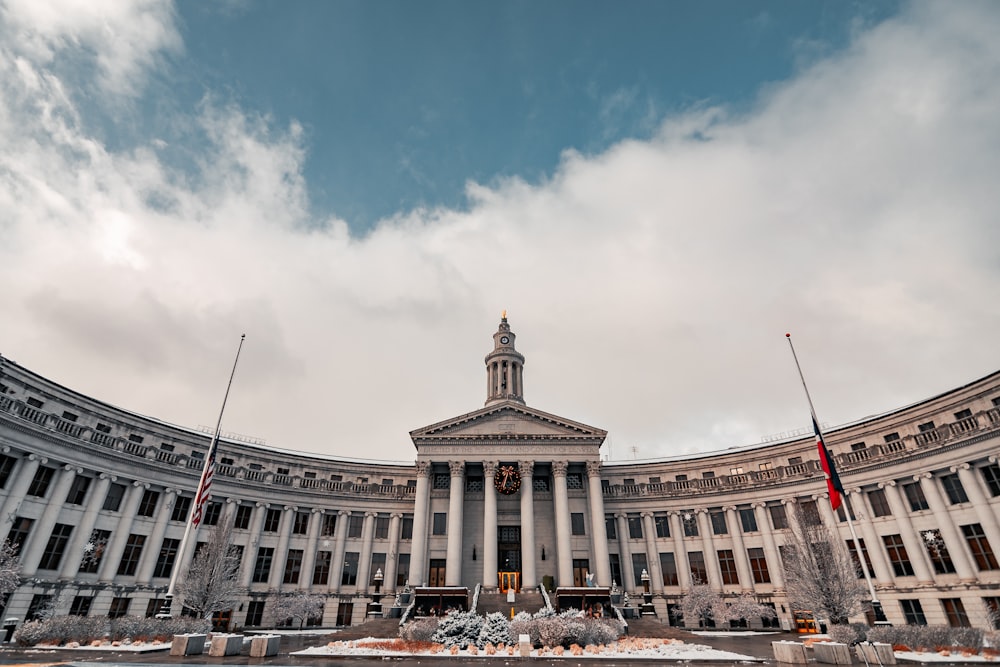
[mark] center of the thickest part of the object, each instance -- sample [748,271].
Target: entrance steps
[650,626]
[529,601]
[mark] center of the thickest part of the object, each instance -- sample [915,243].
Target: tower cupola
[504,367]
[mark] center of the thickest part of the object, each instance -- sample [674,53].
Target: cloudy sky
[656,192]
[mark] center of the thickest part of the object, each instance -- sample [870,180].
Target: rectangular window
[131,555]
[576,523]
[915,496]
[154,607]
[81,605]
[913,613]
[40,482]
[699,575]
[55,547]
[897,555]
[937,550]
[954,611]
[748,519]
[213,511]
[39,605]
[78,490]
[668,566]
[990,473]
[982,553]
[119,607]
[165,561]
[440,523]
[610,527]
[925,427]
[953,489]
[634,527]
[779,518]
[182,509]
[378,563]
[355,525]
[879,503]
[406,528]
[262,566]
[616,567]
[662,523]
[272,520]
[93,551]
[301,524]
[690,522]
[727,564]
[854,557]
[6,468]
[242,520]
[19,532]
[321,570]
[293,567]
[147,506]
[402,570]
[329,527]
[758,566]
[350,575]
[718,518]
[639,566]
[255,613]
[381,528]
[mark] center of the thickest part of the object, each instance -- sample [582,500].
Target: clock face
[504,339]
[507,480]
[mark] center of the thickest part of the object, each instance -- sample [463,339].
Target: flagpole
[876,605]
[191,529]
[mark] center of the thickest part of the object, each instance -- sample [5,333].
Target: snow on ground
[928,656]
[635,648]
[731,633]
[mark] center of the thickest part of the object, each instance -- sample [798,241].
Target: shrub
[525,624]
[419,630]
[967,637]
[30,633]
[459,628]
[495,630]
[602,631]
[848,634]
[552,631]
[61,629]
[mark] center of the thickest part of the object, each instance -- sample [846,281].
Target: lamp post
[647,597]
[376,608]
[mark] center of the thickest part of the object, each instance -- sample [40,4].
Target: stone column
[708,550]
[339,548]
[154,544]
[456,505]
[253,542]
[35,545]
[560,498]
[775,568]
[949,531]
[365,559]
[81,536]
[281,552]
[652,555]
[974,488]
[598,530]
[309,553]
[740,550]
[680,551]
[529,578]
[873,544]
[392,558]
[625,552]
[421,507]
[119,537]
[22,476]
[914,546]
[490,526]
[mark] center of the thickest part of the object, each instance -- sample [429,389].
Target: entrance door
[509,548]
[581,566]
[436,577]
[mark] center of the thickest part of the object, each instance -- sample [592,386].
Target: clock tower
[504,367]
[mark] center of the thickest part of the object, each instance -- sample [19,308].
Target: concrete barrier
[524,644]
[192,644]
[832,653]
[264,646]
[876,653]
[789,652]
[223,644]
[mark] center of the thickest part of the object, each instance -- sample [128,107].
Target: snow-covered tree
[495,630]
[10,568]
[459,628]
[299,606]
[820,574]
[745,607]
[700,604]
[211,584]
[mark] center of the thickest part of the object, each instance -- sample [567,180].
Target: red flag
[205,486]
[833,483]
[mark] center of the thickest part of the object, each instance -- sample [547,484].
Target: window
[154,607]
[378,563]
[293,567]
[628,481]
[6,468]
[616,567]
[767,465]
[982,553]
[937,550]
[654,480]
[738,470]
[779,518]
[102,428]
[690,524]
[810,513]
[440,524]
[165,561]
[78,490]
[35,403]
[442,480]
[93,551]
[213,510]
[350,575]
[897,555]
[113,501]
[954,611]
[915,496]
[668,566]
[610,527]
[279,470]
[699,575]
[748,520]
[576,523]
[879,503]
[182,509]
[891,437]
[40,482]
[795,460]
[381,528]
[255,613]
[854,557]
[925,427]
[262,566]
[329,527]
[55,547]
[321,570]
[953,489]
[336,478]
[708,474]
[681,478]
[147,506]
[857,446]
[402,570]
[474,483]
[727,564]
[355,525]
[80,605]
[39,605]
[242,520]
[19,532]
[639,566]
[662,523]
[272,519]
[131,555]
[119,607]
[634,527]
[991,475]
[718,518]
[300,526]
[406,529]
[913,613]
[992,605]
[758,566]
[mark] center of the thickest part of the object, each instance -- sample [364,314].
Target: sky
[655,192]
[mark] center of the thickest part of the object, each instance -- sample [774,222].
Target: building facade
[96,499]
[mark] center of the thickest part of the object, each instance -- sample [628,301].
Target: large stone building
[97,498]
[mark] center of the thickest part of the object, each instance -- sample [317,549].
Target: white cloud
[650,285]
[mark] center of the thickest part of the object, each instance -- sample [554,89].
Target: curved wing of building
[96,499]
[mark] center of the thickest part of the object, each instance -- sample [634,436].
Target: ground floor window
[255,613]
[913,612]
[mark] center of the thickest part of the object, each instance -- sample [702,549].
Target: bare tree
[820,574]
[211,584]
[701,603]
[10,568]
[298,606]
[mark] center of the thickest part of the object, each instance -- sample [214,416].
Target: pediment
[507,421]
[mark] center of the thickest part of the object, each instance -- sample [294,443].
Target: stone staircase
[529,601]
[376,627]
[650,626]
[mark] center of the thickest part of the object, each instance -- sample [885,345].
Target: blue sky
[655,192]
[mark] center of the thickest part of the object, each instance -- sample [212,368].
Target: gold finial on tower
[503,314]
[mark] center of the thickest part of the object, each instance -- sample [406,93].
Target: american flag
[205,486]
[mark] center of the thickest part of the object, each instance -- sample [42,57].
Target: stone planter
[789,652]
[188,645]
[225,645]
[264,646]
[832,653]
[876,653]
